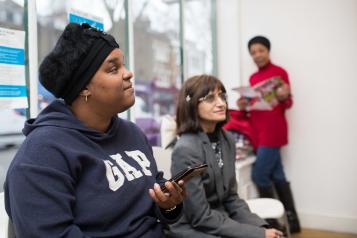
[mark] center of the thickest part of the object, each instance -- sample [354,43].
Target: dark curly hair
[58,66]
[259,40]
[62,71]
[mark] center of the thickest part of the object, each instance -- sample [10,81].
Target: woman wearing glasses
[213,208]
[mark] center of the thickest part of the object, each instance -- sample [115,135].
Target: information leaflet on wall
[76,16]
[13,91]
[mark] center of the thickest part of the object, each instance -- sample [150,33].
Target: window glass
[198,38]
[52,17]
[157,63]
[157,58]
[11,120]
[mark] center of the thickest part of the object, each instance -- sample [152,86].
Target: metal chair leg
[286,223]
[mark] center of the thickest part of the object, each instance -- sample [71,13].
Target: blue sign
[12,91]
[9,55]
[78,19]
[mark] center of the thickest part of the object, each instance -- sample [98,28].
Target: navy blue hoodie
[68,180]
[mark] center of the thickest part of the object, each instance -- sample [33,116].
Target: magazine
[261,96]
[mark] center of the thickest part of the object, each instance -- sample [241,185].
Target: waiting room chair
[269,208]
[163,160]
[167,130]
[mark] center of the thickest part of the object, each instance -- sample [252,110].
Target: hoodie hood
[57,114]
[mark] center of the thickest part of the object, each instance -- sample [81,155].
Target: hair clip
[188,98]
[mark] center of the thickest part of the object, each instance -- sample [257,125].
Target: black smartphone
[186,175]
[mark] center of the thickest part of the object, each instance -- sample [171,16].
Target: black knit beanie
[259,40]
[79,52]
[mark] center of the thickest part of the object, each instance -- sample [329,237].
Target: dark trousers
[268,167]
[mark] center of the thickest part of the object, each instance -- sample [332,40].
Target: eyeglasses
[211,98]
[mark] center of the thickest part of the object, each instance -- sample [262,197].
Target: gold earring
[86,98]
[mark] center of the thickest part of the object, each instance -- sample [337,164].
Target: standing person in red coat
[271,128]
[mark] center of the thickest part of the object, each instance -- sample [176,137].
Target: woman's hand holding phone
[173,191]
[186,174]
[175,194]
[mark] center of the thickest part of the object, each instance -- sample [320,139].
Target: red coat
[271,126]
[240,122]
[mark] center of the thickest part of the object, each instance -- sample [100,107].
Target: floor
[309,233]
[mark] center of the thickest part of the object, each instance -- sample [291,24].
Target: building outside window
[157,63]
[199,37]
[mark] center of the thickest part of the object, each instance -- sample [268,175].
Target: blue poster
[13,90]
[77,17]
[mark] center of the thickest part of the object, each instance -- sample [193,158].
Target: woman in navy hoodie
[82,171]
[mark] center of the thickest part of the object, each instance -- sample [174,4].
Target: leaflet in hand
[261,96]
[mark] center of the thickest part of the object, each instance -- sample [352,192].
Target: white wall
[228,45]
[316,41]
